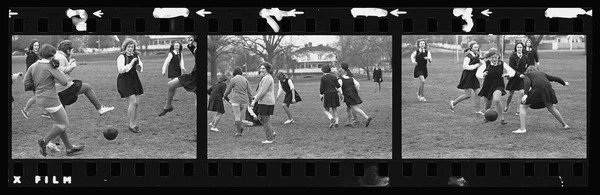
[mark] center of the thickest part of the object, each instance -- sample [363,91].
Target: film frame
[204,172]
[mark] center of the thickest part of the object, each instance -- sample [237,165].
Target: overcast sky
[315,39]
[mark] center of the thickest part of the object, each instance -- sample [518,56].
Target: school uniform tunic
[421,67]
[328,89]
[285,87]
[519,64]
[32,57]
[189,80]
[532,55]
[128,83]
[539,89]
[493,81]
[350,91]
[468,80]
[377,75]
[174,68]
[215,102]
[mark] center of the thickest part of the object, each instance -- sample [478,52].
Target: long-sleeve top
[32,57]
[509,71]
[539,79]
[65,66]
[43,77]
[329,84]
[123,68]
[266,91]
[239,88]
[519,64]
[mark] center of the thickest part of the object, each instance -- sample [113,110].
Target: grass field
[167,137]
[309,137]
[431,130]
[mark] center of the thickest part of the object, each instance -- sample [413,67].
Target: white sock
[329,116]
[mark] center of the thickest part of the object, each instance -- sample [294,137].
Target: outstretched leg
[556,114]
[171,89]
[497,100]
[464,96]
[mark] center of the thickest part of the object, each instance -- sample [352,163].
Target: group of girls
[522,72]
[48,76]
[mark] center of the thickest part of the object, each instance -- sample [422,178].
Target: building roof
[315,48]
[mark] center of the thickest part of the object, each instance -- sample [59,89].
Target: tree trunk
[213,71]
[367,71]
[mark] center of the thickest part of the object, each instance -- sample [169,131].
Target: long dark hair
[471,43]
[522,46]
[173,46]
[30,49]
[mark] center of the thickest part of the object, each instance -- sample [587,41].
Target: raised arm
[413,57]
[65,66]
[181,62]
[509,71]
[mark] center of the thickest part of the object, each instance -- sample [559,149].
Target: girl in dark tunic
[174,64]
[539,94]
[187,81]
[420,58]
[468,81]
[377,76]
[493,83]
[531,53]
[330,93]
[349,88]
[518,61]
[215,102]
[291,95]
[128,81]
[348,110]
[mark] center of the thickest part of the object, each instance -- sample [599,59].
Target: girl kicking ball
[493,83]
[539,94]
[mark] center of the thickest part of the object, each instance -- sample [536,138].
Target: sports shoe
[105,109]
[502,122]
[46,115]
[25,113]
[566,127]
[331,123]
[52,148]
[336,126]
[452,105]
[210,124]
[248,123]
[214,129]
[42,145]
[480,112]
[520,131]
[164,111]
[135,129]
[505,110]
[368,121]
[267,142]
[423,99]
[74,149]
[288,121]
[517,113]
[355,122]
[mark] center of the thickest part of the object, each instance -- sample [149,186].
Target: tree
[266,46]
[217,45]
[364,51]
[535,40]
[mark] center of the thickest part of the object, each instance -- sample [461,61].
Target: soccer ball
[110,133]
[491,115]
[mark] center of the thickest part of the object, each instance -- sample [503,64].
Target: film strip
[154,167]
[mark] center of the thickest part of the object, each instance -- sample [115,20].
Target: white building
[311,58]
